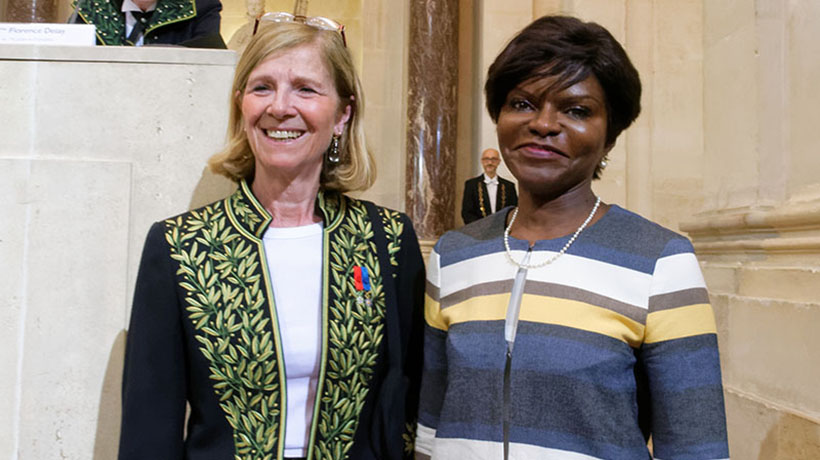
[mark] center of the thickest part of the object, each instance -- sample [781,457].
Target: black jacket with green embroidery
[204,331]
[173,22]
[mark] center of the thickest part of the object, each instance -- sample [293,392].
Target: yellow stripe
[548,310]
[432,313]
[481,308]
[680,322]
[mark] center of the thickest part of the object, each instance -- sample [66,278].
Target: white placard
[47,34]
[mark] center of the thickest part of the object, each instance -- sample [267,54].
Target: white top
[294,256]
[130,21]
[492,190]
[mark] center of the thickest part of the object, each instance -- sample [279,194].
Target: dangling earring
[333,151]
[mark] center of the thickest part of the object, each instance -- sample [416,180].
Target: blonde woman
[288,315]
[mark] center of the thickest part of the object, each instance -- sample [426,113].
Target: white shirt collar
[129,5]
[487,180]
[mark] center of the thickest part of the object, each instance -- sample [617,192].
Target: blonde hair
[356,170]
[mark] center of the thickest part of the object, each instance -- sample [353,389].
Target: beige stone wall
[379,53]
[351,13]
[383,72]
[758,236]
[86,165]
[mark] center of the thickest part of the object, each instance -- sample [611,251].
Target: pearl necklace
[556,255]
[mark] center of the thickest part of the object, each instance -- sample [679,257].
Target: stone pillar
[31,11]
[431,116]
[637,148]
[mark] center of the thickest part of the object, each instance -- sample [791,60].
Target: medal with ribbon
[361,281]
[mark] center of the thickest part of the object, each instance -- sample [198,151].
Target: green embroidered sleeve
[221,275]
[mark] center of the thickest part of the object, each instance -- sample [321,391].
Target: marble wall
[29,11]
[431,116]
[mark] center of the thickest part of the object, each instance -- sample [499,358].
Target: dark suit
[193,23]
[474,205]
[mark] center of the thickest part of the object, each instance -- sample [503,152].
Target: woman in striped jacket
[567,327]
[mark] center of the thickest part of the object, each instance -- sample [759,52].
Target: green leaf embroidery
[227,308]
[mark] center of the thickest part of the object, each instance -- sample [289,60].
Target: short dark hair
[572,50]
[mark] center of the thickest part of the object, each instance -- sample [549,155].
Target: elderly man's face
[489,161]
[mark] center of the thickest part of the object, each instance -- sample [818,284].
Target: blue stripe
[473,431]
[608,368]
[547,402]
[435,357]
[541,402]
[477,345]
[434,378]
[685,363]
[689,418]
[605,360]
[707,450]
[677,246]
[466,251]
[604,242]
[543,438]
[473,396]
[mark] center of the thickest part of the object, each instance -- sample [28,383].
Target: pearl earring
[333,152]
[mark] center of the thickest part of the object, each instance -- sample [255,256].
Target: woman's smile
[541,151]
[291,110]
[283,135]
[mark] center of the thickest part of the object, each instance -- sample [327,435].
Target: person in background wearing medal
[487,193]
[287,316]
[191,23]
[567,327]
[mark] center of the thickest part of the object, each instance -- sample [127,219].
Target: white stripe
[619,283]
[615,282]
[455,448]
[478,270]
[433,268]
[727,458]
[528,452]
[676,273]
[425,437]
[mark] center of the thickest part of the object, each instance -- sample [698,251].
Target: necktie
[142,19]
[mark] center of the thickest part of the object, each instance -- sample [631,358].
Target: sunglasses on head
[318,22]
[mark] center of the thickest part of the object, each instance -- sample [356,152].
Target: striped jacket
[616,342]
